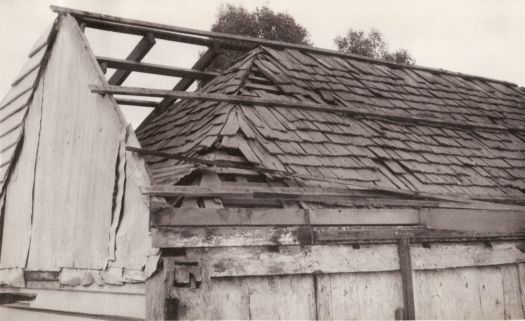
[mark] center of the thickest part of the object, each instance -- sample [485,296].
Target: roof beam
[227,41]
[155,69]
[139,103]
[245,100]
[137,54]
[159,34]
[269,192]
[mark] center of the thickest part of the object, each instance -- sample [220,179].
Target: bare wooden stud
[405,264]
[157,291]
[137,54]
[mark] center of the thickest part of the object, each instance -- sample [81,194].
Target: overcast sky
[485,38]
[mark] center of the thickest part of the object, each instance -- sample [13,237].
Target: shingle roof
[428,156]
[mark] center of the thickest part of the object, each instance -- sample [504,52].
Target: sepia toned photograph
[262,160]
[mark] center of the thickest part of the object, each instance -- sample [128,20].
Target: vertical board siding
[19,192]
[469,293]
[514,308]
[75,172]
[250,298]
[369,296]
[133,240]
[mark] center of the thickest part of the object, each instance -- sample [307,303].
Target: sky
[479,37]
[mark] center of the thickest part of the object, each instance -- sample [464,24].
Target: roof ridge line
[259,42]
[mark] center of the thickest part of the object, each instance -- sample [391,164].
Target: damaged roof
[427,130]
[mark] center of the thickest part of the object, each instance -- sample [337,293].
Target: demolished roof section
[469,144]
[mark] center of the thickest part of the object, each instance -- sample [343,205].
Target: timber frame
[404,217]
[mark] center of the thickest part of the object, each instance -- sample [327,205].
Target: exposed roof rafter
[226,41]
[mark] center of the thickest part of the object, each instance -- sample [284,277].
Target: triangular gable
[60,210]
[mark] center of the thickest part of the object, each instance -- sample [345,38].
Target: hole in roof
[111,44]
[138,79]
[173,54]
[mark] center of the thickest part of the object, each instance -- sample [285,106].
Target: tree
[261,23]
[371,45]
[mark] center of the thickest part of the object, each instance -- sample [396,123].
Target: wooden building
[300,183]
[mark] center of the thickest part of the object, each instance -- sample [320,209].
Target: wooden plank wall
[19,192]
[59,207]
[73,193]
[332,282]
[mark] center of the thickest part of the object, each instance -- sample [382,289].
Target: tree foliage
[261,23]
[371,45]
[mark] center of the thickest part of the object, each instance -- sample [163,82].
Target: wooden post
[405,265]
[159,306]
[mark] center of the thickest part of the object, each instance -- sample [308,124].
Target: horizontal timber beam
[289,193]
[155,69]
[341,196]
[126,25]
[282,217]
[435,218]
[249,101]
[134,102]
[223,236]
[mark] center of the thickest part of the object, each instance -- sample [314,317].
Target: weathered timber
[307,235]
[9,298]
[41,275]
[155,69]
[241,42]
[166,35]
[405,265]
[137,54]
[434,218]
[333,258]
[134,102]
[157,292]
[248,216]
[290,193]
[474,220]
[339,196]
[246,100]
